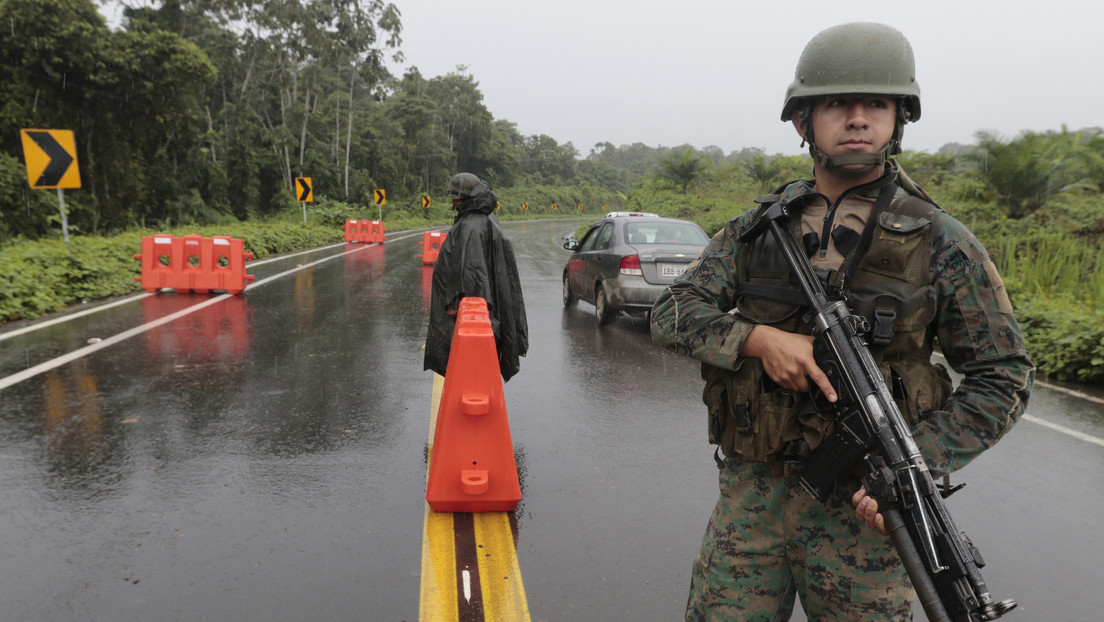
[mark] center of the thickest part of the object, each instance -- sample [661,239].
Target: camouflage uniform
[767,539]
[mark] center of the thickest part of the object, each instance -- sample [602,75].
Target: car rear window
[665,233]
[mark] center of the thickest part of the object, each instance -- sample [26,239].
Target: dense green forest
[198,115]
[181,119]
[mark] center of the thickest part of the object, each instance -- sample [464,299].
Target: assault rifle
[869,428]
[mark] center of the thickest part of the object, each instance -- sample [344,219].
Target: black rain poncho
[476,259]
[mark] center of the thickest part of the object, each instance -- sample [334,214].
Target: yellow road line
[438,591]
[502,593]
[438,594]
[499,573]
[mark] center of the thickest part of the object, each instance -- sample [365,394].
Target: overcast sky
[714,72]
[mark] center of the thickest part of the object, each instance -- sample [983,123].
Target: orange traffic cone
[470,312]
[472,466]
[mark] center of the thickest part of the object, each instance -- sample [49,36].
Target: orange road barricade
[360,231]
[365,231]
[472,467]
[350,230]
[193,263]
[431,245]
[376,231]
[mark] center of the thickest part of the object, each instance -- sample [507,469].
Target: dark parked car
[626,259]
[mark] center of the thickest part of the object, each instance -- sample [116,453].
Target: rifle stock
[942,564]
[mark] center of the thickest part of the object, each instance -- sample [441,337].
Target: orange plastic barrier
[363,231]
[366,231]
[193,263]
[472,467]
[350,230]
[376,231]
[431,245]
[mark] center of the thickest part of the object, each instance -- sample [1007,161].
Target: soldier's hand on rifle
[787,358]
[866,509]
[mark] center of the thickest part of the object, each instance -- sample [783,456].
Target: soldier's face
[853,124]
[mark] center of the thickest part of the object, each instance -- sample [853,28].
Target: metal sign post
[304,193]
[380,196]
[64,216]
[51,160]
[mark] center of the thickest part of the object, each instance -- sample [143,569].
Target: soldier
[878,241]
[476,259]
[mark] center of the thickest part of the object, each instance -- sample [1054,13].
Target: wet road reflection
[246,461]
[264,458]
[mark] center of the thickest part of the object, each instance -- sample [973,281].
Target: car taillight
[631,265]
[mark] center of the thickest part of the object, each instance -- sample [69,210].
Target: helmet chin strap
[853,164]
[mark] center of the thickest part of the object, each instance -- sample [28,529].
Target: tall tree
[299,71]
[683,168]
[130,97]
[546,161]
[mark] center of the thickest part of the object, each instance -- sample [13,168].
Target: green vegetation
[201,112]
[682,169]
[1042,224]
[49,275]
[187,125]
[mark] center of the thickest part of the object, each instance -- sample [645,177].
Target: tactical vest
[886,279]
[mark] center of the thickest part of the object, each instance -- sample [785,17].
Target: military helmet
[462,185]
[856,59]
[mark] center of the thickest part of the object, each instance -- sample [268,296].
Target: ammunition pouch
[752,418]
[898,314]
[918,387]
[885,279]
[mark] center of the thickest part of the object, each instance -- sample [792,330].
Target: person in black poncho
[476,259]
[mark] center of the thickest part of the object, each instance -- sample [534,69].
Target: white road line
[1054,426]
[76,354]
[1073,392]
[283,257]
[137,297]
[138,330]
[123,301]
[85,351]
[1064,430]
[73,316]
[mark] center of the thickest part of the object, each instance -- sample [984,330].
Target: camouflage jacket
[973,323]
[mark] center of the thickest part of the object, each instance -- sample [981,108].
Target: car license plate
[671,270]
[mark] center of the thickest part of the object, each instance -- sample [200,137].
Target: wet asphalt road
[263,458]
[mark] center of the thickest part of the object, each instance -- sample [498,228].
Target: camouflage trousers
[768,541]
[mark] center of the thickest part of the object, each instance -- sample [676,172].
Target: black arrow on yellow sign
[425,202]
[381,197]
[60,159]
[306,192]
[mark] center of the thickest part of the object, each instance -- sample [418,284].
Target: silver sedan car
[626,259]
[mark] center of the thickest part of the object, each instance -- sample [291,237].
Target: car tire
[602,309]
[569,299]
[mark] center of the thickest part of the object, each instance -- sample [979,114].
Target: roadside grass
[1055,279]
